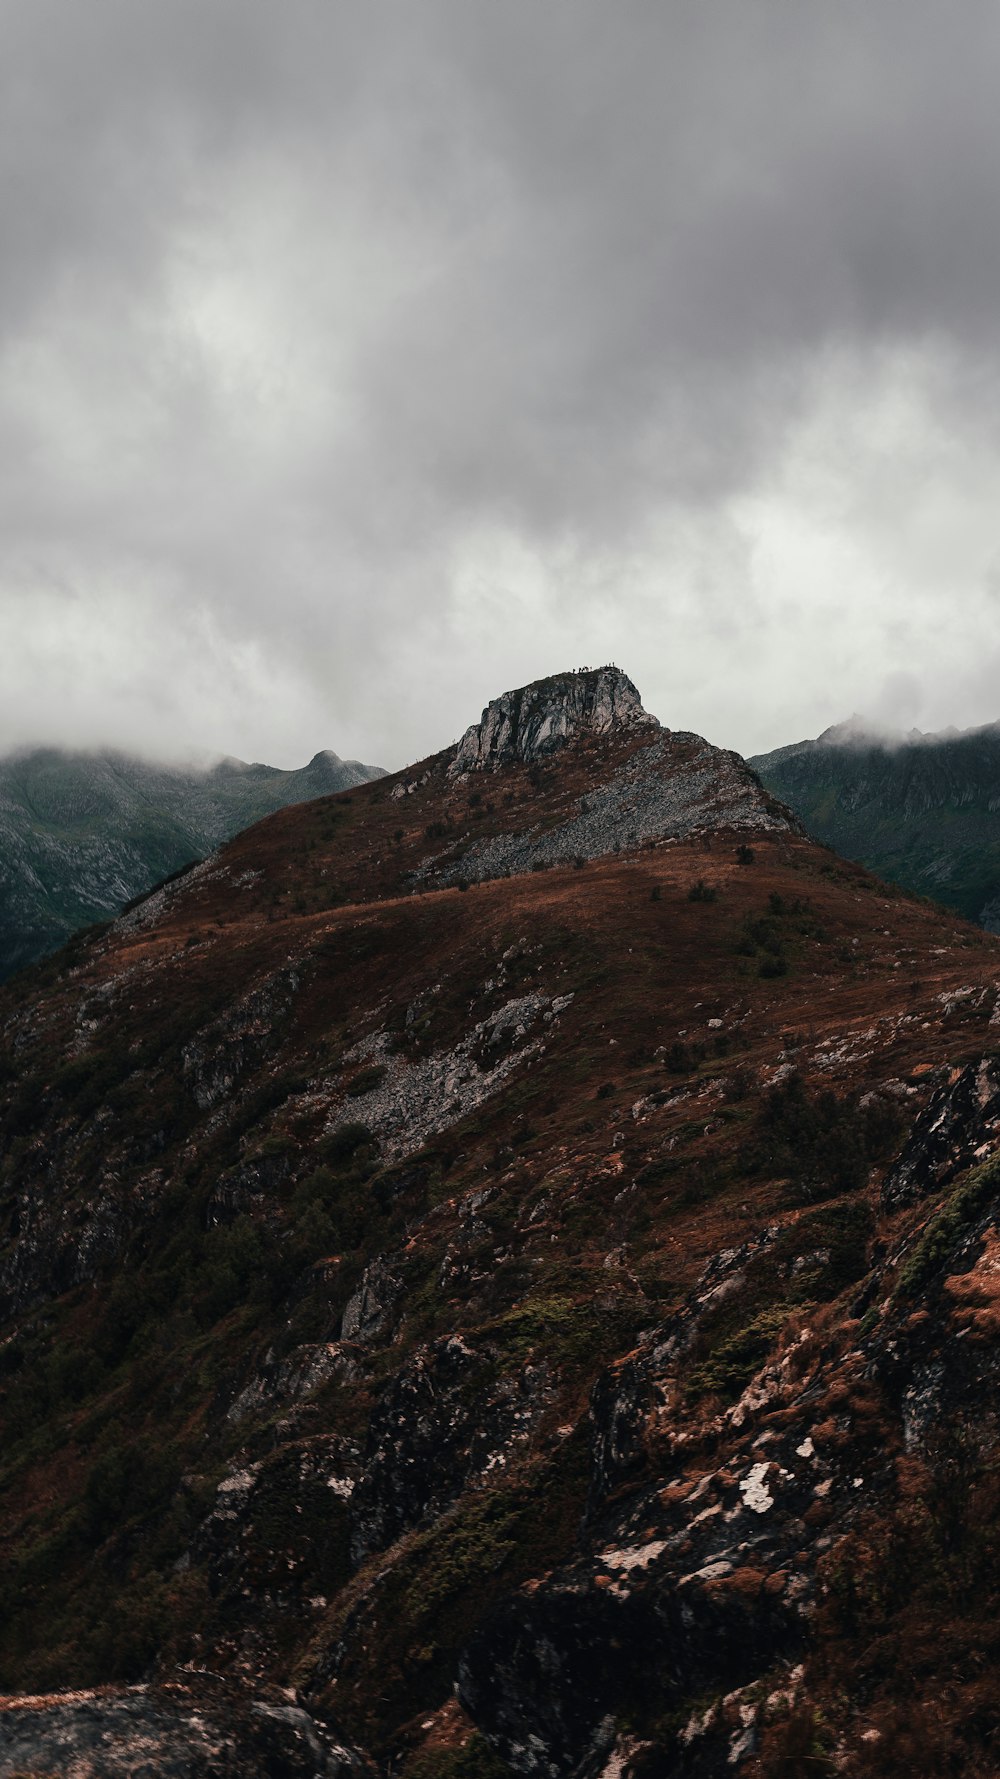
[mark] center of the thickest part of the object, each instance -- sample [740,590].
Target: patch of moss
[474,1760]
[946,1229]
[733,1362]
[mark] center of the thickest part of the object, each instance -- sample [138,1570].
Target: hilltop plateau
[499,1275]
[81,834]
[921,810]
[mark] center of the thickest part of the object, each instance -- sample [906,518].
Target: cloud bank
[357,363]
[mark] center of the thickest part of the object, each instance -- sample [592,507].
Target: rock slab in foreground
[171,1732]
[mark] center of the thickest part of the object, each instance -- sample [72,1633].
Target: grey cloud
[352,356]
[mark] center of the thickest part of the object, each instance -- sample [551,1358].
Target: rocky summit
[498,1275]
[536,720]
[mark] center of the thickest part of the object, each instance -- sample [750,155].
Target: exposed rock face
[958,1126]
[443,1422]
[536,720]
[176,1732]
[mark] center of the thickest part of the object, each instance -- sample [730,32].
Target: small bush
[773,963]
[823,1144]
[702,891]
[745,855]
[341,1143]
[736,1359]
[474,1760]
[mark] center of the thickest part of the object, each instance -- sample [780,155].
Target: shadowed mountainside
[923,811]
[499,1276]
[81,834]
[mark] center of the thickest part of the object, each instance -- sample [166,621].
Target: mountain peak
[536,720]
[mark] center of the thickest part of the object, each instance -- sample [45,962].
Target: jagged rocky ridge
[577,1290]
[535,721]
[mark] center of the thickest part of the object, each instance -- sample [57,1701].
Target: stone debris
[415,1100]
[652,796]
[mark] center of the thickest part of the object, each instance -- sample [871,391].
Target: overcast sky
[362,358]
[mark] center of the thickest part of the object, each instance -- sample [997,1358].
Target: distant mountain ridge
[83,833]
[920,809]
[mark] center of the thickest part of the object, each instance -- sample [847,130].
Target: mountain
[921,810]
[81,834]
[499,1276]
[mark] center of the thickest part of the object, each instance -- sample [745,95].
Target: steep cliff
[535,721]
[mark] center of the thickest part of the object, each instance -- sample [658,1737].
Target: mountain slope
[81,834]
[923,810]
[576,1289]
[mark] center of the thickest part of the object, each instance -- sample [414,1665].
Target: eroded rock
[536,720]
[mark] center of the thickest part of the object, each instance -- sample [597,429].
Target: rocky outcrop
[959,1125]
[178,1732]
[411,1101]
[444,1421]
[240,1040]
[536,720]
[368,1311]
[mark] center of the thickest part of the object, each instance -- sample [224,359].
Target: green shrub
[734,1361]
[945,1230]
[341,1144]
[474,1760]
[127,1482]
[773,963]
[823,1144]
